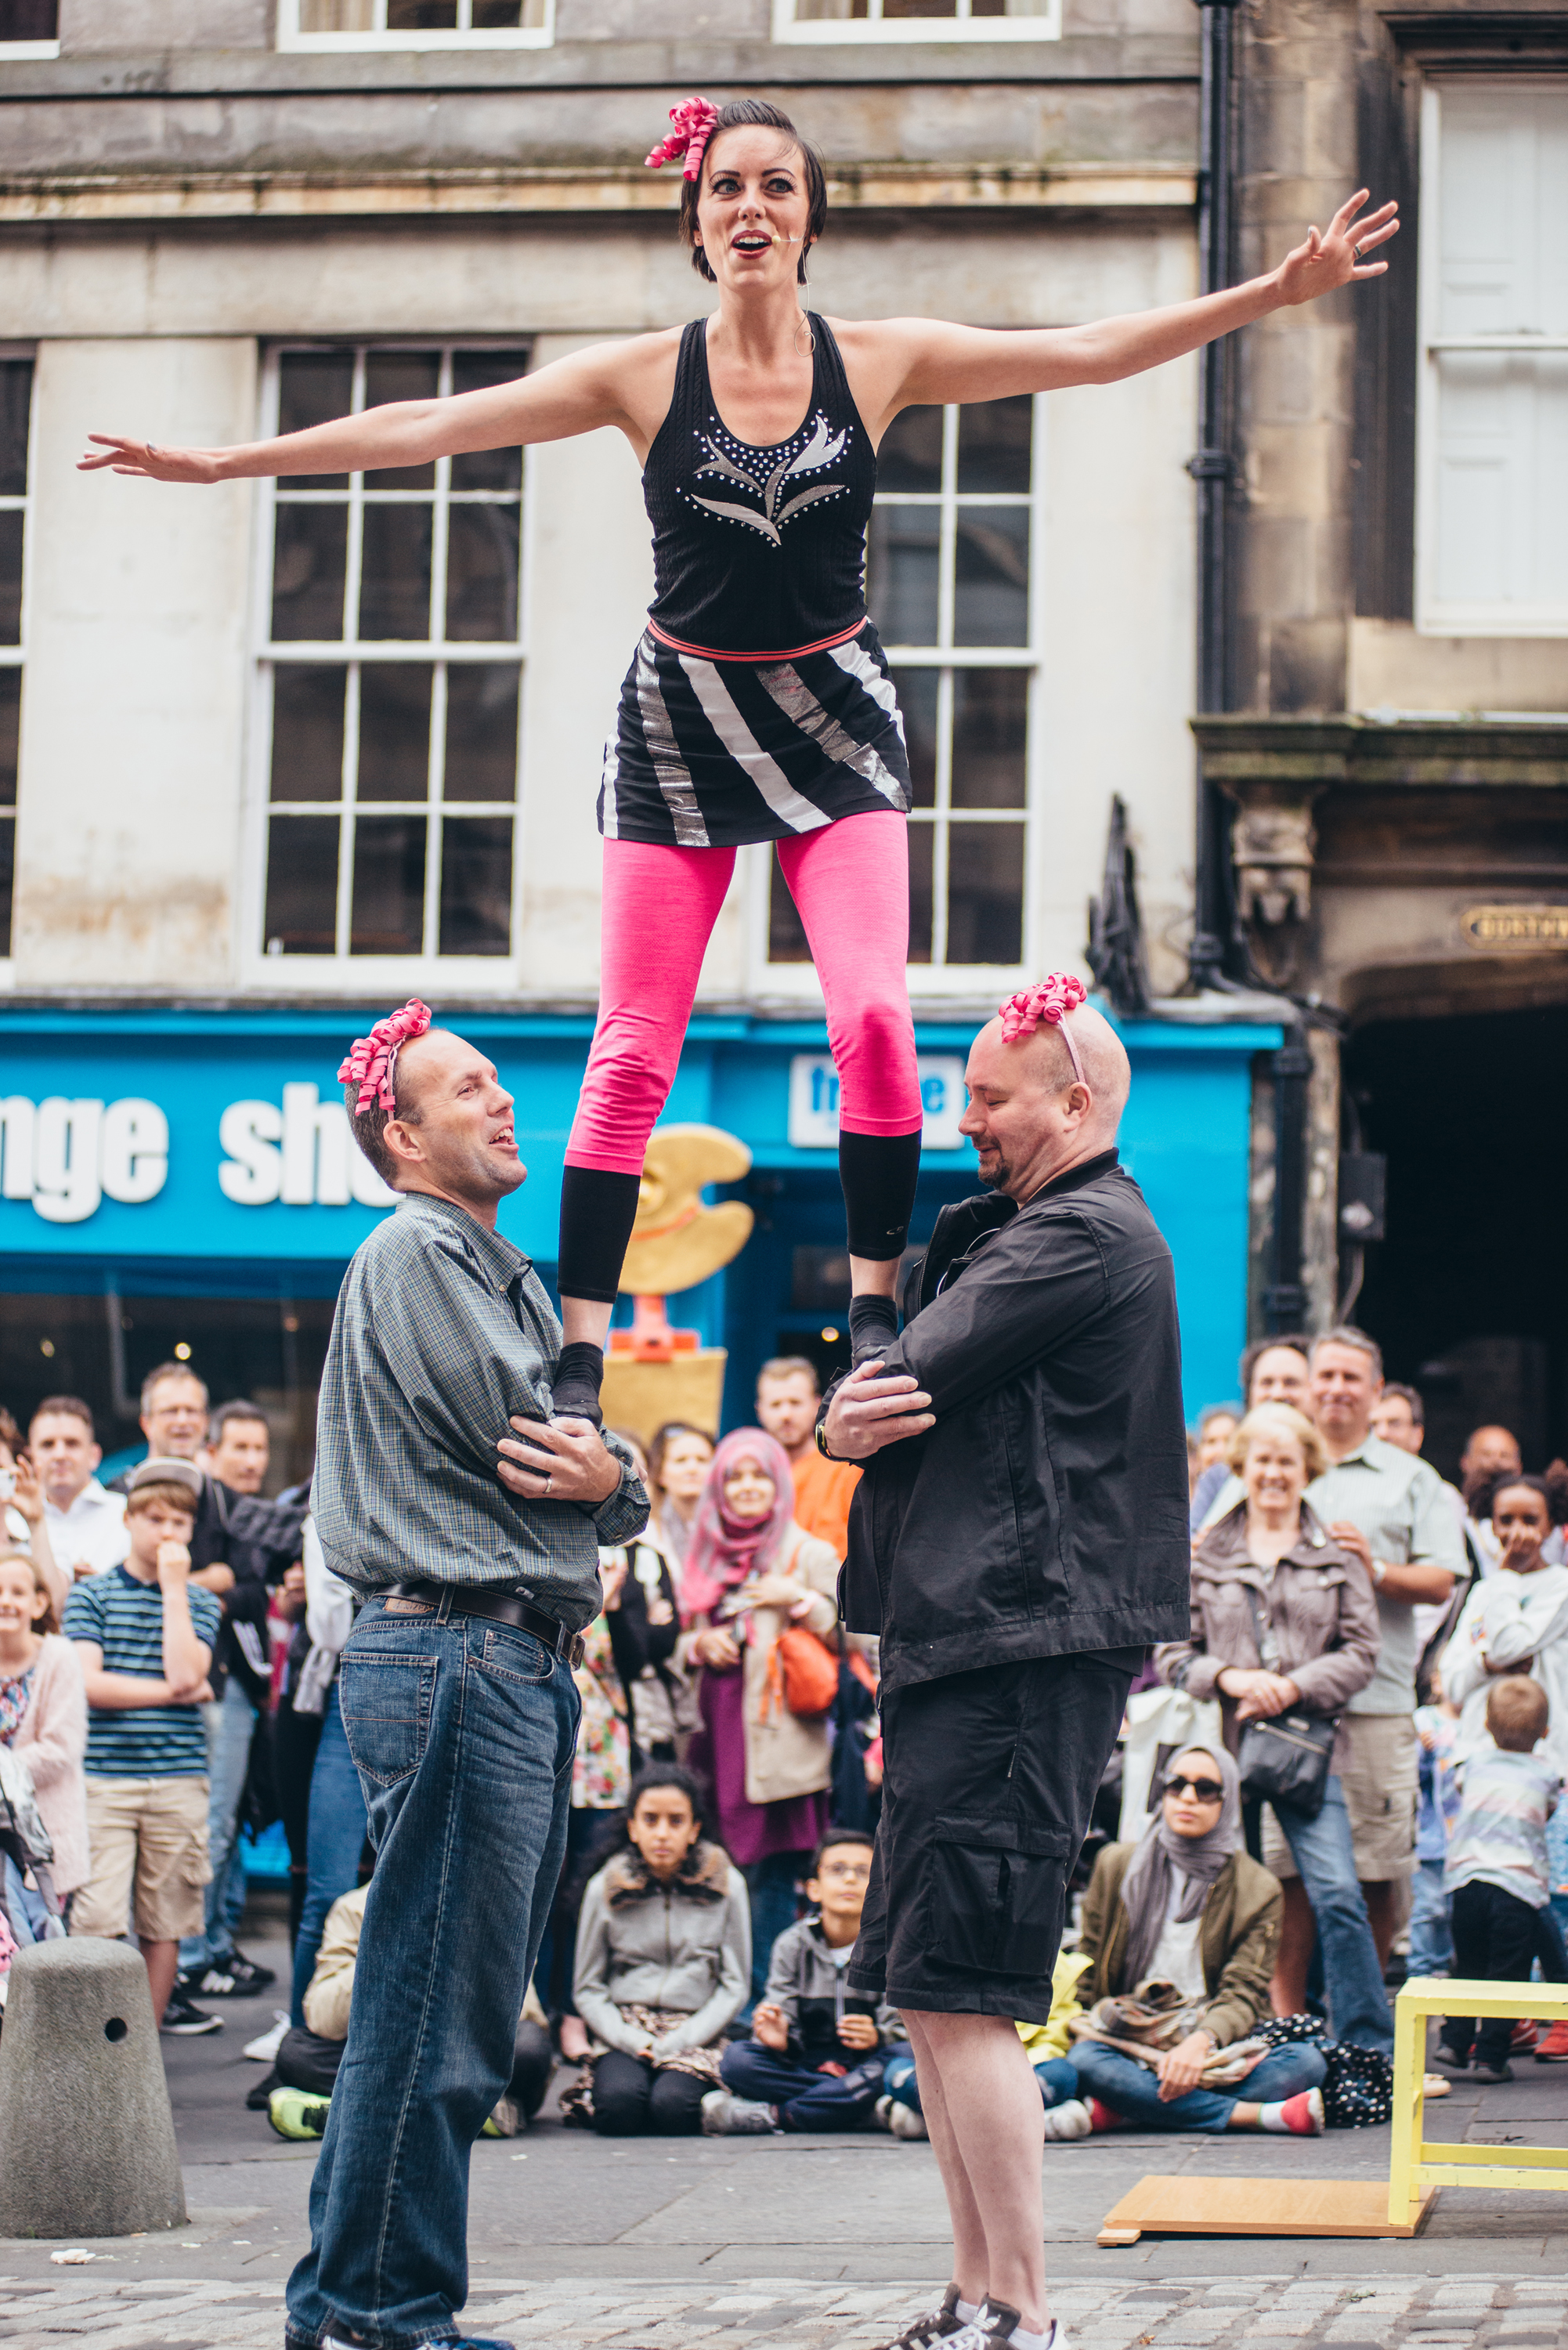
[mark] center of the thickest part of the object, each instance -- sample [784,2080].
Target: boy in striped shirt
[1497,1872]
[145,1633]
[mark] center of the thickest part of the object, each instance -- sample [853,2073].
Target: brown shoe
[934,2327]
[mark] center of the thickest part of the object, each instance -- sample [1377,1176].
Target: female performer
[758,706]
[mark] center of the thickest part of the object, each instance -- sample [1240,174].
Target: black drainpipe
[1214,470]
[1284,1301]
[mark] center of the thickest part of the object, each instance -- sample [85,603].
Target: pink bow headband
[694,120]
[372,1065]
[1051,999]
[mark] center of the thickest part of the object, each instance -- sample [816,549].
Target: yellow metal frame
[1414,2165]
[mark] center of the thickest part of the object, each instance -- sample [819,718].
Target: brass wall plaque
[1516,929]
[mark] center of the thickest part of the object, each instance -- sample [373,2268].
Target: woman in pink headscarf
[752,1574]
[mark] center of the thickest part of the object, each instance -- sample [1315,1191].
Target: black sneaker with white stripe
[185,2020]
[935,2325]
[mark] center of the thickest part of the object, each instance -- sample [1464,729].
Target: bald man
[1019,1537]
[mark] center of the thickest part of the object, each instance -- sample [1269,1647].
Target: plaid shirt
[442,1332]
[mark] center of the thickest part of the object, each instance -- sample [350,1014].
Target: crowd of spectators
[169,1646]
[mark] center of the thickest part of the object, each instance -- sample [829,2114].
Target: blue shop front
[183,1184]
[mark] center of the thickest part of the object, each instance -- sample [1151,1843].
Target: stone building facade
[271,756]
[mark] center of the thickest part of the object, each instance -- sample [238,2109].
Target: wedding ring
[549,1476]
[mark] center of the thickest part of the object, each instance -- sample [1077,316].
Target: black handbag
[1285,1758]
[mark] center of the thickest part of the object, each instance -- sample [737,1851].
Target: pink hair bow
[1059,993]
[694,119]
[372,1065]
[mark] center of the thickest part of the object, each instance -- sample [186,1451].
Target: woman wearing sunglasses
[1186,1905]
[1285,1620]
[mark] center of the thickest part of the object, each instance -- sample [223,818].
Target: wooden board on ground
[1185,2206]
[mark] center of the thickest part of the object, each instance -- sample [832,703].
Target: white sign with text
[814,1101]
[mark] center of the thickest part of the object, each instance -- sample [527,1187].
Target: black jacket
[1047,1510]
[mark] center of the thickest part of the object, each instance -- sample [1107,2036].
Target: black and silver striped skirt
[714,753]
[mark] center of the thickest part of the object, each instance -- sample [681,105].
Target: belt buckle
[577,1651]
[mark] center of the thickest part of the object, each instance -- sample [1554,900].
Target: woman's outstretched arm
[932,362]
[608,384]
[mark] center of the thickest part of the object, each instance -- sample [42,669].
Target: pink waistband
[795,652]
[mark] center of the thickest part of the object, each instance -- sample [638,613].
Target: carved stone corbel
[1273,843]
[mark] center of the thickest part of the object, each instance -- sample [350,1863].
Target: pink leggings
[849,879]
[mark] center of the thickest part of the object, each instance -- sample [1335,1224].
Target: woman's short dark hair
[1481,1492]
[655,1775]
[757,113]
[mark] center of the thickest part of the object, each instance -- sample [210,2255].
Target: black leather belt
[503,1607]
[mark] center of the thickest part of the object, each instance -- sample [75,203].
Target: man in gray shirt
[470,1519]
[1389,1507]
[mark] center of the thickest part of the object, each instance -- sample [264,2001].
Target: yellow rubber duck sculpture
[653,1373]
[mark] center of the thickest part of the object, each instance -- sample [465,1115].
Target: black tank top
[759,551]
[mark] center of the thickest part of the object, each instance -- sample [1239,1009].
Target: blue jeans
[334,1840]
[1132,2089]
[1357,2003]
[806,2099]
[1057,2077]
[771,1883]
[1432,1928]
[231,1722]
[462,1734]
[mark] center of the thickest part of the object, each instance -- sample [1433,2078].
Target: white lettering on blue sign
[66,1155]
[814,1101]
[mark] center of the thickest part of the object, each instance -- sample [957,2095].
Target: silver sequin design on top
[822,447]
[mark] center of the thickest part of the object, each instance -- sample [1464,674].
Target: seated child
[664,1964]
[816,2057]
[144,1636]
[306,2069]
[1497,1871]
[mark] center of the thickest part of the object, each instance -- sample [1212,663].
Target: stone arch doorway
[1468,1293]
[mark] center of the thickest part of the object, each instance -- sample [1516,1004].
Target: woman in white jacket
[1516,1621]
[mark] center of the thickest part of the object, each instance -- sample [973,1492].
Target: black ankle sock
[597,1209]
[873,1326]
[574,1390]
[879,1172]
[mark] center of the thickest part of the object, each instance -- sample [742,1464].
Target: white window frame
[465,36]
[939,978]
[18,53]
[874,26]
[342,972]
[15,656]
[1433,617]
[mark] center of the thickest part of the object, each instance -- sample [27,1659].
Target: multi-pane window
[1493,428]
[947,587]
[393,661]
[29,28]
[16,411]
[415,24]
[917,20]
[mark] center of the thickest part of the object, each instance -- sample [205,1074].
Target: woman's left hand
[1181,2068]
[1331,257]
[774,1591]
[1269,1694]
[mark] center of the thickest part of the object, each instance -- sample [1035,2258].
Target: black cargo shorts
[989,1778]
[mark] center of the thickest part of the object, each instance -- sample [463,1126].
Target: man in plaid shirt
[448,1492]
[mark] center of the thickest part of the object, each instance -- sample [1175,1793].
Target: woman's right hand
[716,1647]
[146,461]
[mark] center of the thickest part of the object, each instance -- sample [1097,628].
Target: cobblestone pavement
[1470,2313]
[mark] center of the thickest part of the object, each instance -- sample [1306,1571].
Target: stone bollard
[87,2138]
